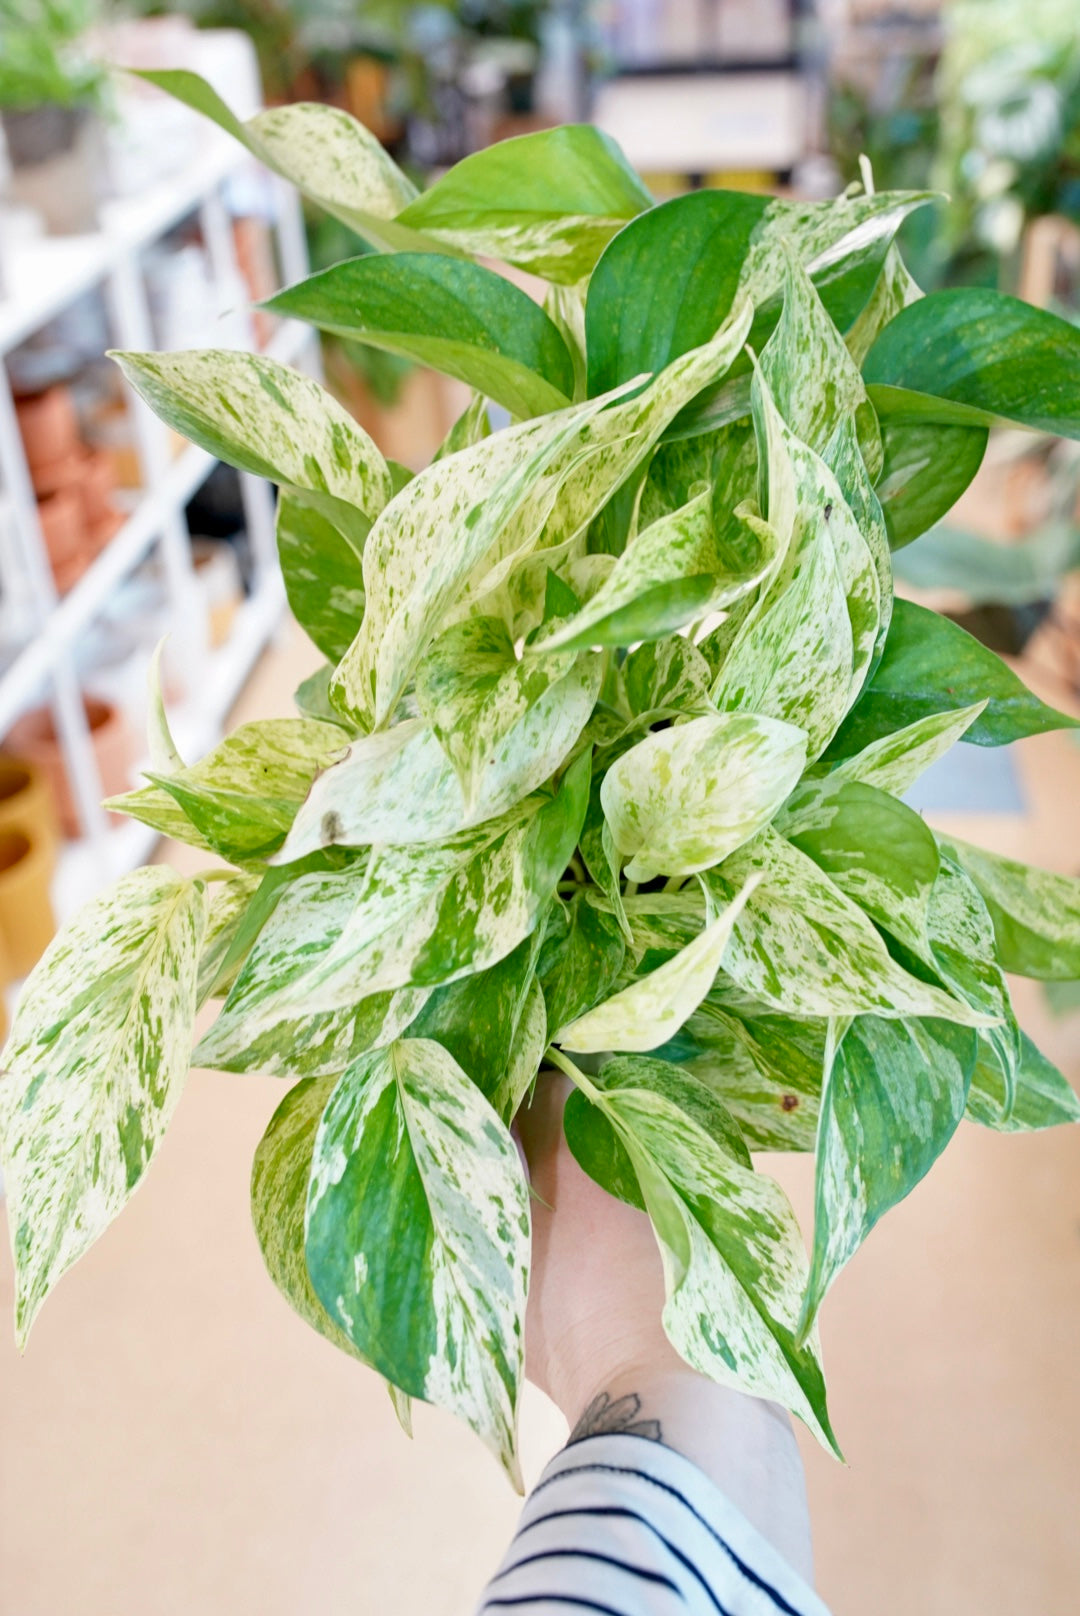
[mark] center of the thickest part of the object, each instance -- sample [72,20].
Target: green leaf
[961,936]
[267,419]
[242,797]
[456,532]
[448,313]
[926,465]
[893,1099]
[653,1008]
[486,1022]
[472,426]
[894,762]
[684,798]
[1036,914]
[587,962]
[324,579]
[668,675]
[666,283]
[311,698]
[733,1258]
[803,948]
[484,703]
[279,1182]
[324,152]
[893,290]
[93,1069]
[671,574]
[546,202]
[932,666]
[320,982]
[1043,1097]
[878,851]
[418,1235]
[970,355]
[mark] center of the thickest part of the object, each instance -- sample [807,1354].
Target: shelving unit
[42,280]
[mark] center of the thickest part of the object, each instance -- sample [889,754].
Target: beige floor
[176,1442]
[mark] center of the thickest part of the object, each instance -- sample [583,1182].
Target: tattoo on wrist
[603,1417]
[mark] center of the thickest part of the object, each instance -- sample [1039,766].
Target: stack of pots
[27,859]
[74,484]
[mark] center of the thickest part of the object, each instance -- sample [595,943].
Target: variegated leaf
[894,762]
[93,1070]
[673,573]
[961,935]
[1043,1098]
[416,917]
[472,426]
[418,1235]
[877,850]
[893,1098]
[242,797]
[653,1008]
[324,579]
[766,1069]
[804,649]
[164,757]
[265,418]
[666,676]
[398,786]
[228,903]
[279,1182]
[546,202]
[893,290]
[803,948]
[457,531]
[324,152]
[1036,914]
[684,798]
[734,1265]
[487,1023]
[477,695]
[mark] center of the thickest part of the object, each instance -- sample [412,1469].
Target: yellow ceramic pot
[26,801]
[26,918]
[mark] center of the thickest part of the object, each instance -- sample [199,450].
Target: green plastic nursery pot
[26,916]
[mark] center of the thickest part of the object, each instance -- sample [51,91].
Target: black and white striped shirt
[622,1526]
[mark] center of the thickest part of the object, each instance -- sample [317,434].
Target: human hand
[596,1346]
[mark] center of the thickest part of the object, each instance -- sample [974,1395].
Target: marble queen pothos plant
[605,771]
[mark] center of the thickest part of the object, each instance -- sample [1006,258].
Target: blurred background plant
[44,59]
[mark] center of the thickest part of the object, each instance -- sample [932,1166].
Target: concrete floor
[175,1441]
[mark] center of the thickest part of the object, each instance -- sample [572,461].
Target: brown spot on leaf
[789,1102]
[331,827]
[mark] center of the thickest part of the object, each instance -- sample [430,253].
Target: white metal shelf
[43,279]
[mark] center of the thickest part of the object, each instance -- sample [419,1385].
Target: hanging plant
[604,772]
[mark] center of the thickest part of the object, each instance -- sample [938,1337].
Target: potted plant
[50,89]
[604,773]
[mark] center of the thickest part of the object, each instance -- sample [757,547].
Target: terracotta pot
[26,802]
[56,476]
[48,425]
[34,736]
[62,526]
[26,918]
[96,486]
[103,530]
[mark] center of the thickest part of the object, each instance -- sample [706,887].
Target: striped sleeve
[622,1526]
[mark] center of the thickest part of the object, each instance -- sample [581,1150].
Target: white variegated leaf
[164,758]
[93,1070]
[734,1265]
[459,529]
[228,903]
[265,418]
[684,798]
[418,1235]
[242,797]
[800,946]
[653,1008]
[896,761]
[893,291]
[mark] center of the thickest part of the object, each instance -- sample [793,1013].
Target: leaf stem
[567,1067]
